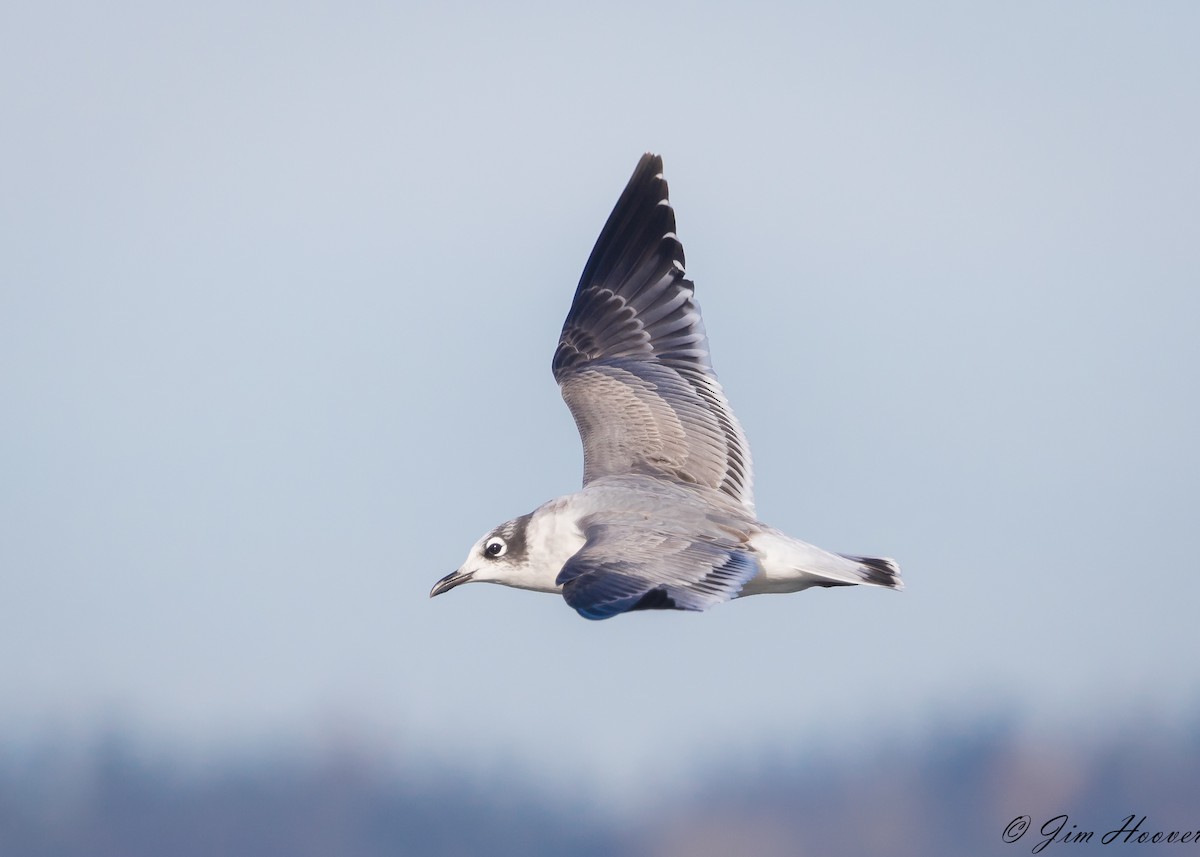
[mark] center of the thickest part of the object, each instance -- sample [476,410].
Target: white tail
[790,565]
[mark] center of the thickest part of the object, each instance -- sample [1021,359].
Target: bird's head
[500,556]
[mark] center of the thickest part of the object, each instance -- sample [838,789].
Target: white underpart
[790,565]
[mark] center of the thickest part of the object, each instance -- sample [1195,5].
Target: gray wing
[633,360]
[628,564]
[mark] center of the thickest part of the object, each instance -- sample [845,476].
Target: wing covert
[631,565]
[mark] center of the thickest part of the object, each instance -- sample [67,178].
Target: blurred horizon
[969,785]
[611,792]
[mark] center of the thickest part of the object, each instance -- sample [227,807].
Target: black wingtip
[650,160]
[636,228]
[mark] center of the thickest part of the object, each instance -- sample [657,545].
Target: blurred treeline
[951,792]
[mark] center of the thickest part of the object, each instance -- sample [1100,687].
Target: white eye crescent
[494,547]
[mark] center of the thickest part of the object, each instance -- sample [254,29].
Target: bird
[665,519]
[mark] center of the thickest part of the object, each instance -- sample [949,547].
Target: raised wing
[633,361]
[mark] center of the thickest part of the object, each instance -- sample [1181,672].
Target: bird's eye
[495,547]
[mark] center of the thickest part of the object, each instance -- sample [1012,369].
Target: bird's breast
[553,537]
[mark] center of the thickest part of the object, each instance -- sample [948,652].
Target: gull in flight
[665,519]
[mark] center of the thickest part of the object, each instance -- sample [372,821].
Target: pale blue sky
[279,288]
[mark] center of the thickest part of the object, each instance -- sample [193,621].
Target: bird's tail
[790,565]
[877,570]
